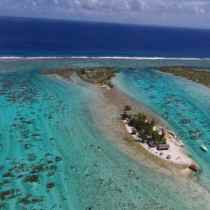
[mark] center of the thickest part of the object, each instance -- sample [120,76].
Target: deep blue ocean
[36,37]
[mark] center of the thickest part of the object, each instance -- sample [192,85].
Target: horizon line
[104,22]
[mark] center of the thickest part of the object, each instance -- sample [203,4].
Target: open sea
[52,154]
[34,37]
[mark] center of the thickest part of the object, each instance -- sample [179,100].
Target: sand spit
[107,108]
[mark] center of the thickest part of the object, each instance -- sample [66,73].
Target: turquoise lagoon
[53,156]
[184,104]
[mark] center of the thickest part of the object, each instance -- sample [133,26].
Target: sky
[184,13]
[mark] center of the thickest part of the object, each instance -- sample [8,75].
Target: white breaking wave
[14,58]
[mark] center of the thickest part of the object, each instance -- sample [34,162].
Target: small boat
[204,148]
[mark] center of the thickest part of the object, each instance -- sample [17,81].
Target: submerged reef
[27,173]
[18,173]
[198,75]
[97,75]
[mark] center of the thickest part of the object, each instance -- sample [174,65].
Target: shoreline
[198,75]
[106,110]
[175,155]
[119,99]
[112,101]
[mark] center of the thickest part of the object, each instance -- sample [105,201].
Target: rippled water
[53,156]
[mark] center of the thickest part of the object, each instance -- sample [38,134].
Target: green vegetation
[97,75]
[100,76]
[194,74]
[127,108]
[145,128]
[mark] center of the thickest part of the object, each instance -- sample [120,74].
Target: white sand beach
[112,102]
[106,112]
[175,153]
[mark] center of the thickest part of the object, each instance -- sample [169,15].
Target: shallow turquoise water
[182,103]
[53,156]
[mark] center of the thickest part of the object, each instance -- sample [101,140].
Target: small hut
[162,147]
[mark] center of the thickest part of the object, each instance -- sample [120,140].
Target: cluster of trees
[101,75]
[145,128]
